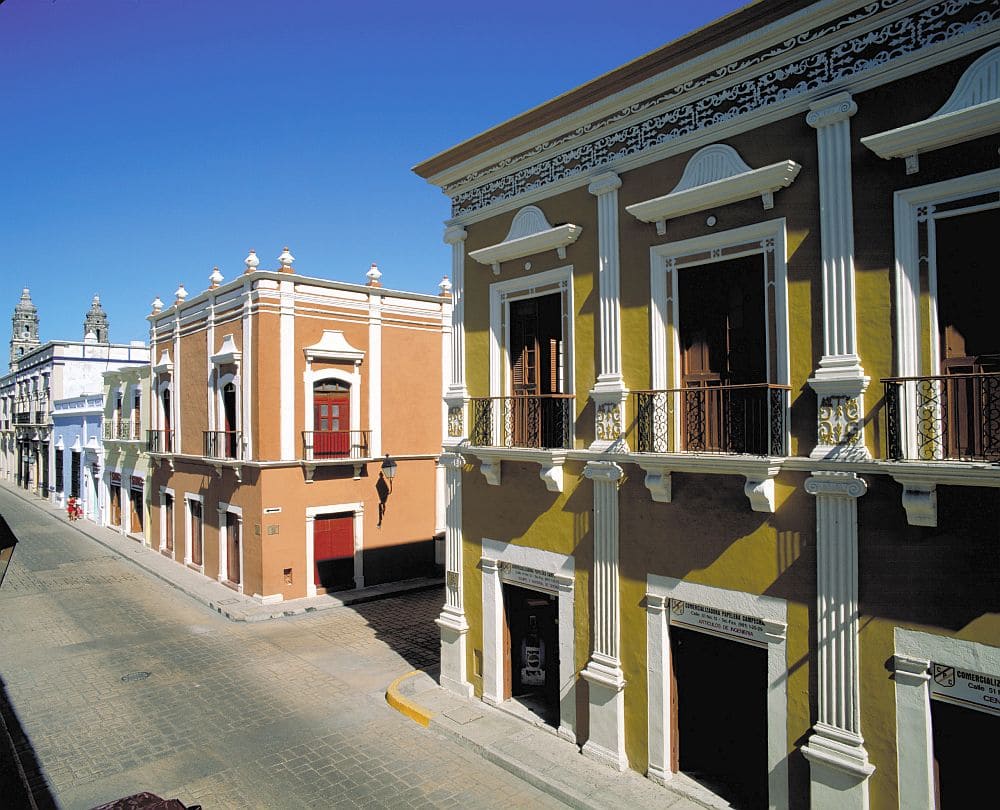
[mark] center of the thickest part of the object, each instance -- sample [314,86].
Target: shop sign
[532,577]
[972,689]
[749,629]
[116,478]
[137,482]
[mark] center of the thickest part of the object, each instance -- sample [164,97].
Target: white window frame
[913,209]
[660,590]
[766,239]
[494,554]
[502,293]
[352,379]
[357,509]
[188,539]
[913,653]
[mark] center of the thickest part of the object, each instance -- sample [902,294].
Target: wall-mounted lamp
[389,470]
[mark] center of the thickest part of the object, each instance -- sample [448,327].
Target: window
[59,470]
[331,419]
[75,472]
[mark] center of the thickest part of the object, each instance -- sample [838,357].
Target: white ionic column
[840,381]
[454,627]
[609,392]
[456,393]
[606,740]
[838,760]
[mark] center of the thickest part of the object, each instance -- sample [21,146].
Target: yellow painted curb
[404,705]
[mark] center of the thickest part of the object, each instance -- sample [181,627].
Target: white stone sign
[532,577]
[748,629]
[972,689]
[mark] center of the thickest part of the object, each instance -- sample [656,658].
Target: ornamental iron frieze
[772,84]
[839,421]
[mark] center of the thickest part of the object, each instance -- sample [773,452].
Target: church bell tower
[24,329]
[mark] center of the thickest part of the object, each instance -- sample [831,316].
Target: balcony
[122,430]
[159,441]
[724,419]
[952,417]
[330,445]
[531,421]
[224,444]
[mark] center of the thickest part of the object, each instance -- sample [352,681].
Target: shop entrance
[719,715]
[135,498]
[531,651]
[333,552]
[963,760]
[116,504]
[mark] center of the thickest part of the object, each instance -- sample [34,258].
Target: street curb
[404,705]
[212,603]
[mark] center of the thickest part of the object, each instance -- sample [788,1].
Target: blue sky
[146,141]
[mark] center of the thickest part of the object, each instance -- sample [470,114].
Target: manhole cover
[134,676]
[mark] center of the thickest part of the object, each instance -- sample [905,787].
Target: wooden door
[333,551]
[675,729]
[196,532]
[233,548]
[508,664]
[331,424]
[535,373]
[116,505]
[168,508]
[166,444]
[135,505]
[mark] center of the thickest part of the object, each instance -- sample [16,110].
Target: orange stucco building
[295,430]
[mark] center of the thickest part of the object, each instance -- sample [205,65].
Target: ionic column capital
[831,110]
[606,471]
[604,183]
[454,234]
[836,485]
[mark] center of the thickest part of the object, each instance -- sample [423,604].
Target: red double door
[332,421]
[333,555]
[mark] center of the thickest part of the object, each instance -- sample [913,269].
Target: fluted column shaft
[605,188]
[452,622]
[836,749]
[455,236]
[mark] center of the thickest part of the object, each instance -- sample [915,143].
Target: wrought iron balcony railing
[224,444]
[320,445]
[159,441]
[543,421]
[124,430]
[943,417]
[736,419]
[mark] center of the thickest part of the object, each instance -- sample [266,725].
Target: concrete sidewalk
[533,752]
[218,597]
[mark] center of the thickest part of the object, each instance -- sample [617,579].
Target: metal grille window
[59,471]
[74,481]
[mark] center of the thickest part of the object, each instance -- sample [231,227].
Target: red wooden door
[333,551]
[233,548]
[331,425]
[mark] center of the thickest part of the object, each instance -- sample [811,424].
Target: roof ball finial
[216,278]
[285,260]
[180,294]
[157,305]
[251,261]
[373,275]
[445,287]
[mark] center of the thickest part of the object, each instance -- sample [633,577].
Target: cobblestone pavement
[285,714]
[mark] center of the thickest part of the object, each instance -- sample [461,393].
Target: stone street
[283,714]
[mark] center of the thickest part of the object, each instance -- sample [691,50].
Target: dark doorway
[167,446]
[531,651]
[168,517]
[723,341]
[196,532]
[721,715]
[229,413]
[233,548]
[963,756]
[967,289]
[333,552]
[536,340]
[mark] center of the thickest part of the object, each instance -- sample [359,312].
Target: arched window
[331,419]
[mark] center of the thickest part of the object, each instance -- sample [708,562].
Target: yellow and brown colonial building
[724,408]
[276,398]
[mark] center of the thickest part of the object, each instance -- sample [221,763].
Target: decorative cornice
[859,42]
[972,111]
[714,176]
[530,233]
[228,352]
[333,346]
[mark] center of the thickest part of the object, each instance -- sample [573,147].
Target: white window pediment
[165,366]
[715,175]
[530,233]
[972,111]
[333,346]
[228,353]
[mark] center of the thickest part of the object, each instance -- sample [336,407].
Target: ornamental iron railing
[126,430]
[333,444]
[542,421]
[734,419]
[159,441]
[226,444]
[943,417]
